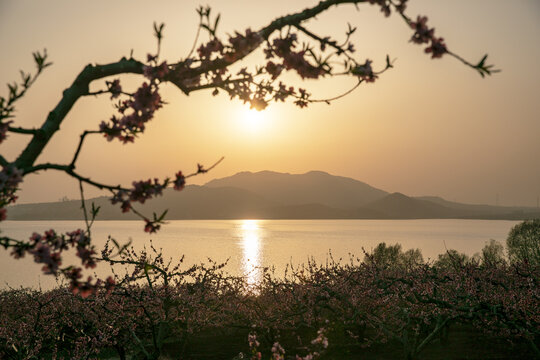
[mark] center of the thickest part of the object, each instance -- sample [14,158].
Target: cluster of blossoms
[242,44]
[10,178]
[278,352]
[239,45]
[156,73]
[424,35]
[145,190]
[143,104]
[321,338]
[365,72]
[253,345]
[385,5]
[135,112]
[205,51]
[284,48]
[47,249]
[88,287]
[4,126]
[303,99]
[283,53]
[114,88]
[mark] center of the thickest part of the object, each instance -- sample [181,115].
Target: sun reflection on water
[251,251]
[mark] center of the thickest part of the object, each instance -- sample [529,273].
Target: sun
[252,120]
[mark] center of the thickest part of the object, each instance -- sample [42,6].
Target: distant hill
[399,206]
[194,202]
[486,211]
[314,187]
[272,195]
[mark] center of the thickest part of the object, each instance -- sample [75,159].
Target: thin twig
[196,40]
[339,96]
[83,206]
[83,136]
[340,50]
[205,170]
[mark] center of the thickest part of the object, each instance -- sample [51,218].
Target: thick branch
[80,87]
[3,161]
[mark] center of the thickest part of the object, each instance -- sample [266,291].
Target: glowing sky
[427,127]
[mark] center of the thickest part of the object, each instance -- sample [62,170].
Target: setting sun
[253,120]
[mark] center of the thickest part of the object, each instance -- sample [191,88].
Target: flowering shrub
[158,308]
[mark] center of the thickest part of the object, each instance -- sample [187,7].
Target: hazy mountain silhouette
[272,195]
[471,210]
[194,202]
[315,187]
[399,206]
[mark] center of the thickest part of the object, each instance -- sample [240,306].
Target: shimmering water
[250,244]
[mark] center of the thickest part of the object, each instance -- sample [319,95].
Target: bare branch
[79,147]
[20,130]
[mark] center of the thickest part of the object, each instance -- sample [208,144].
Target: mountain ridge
[273,195]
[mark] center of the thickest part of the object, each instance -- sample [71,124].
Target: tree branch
[321,40]
[3,161]
[79,147]
[20,130]
[80,87]
[277,24]
[68,169]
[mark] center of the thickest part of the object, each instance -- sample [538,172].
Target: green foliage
[493,254]
[389,256]
[523,242]
[452,259]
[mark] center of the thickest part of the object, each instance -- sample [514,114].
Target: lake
[250,244]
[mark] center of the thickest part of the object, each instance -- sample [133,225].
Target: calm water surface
[250,244]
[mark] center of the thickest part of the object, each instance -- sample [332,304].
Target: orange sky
[427,127]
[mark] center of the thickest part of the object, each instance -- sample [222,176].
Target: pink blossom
[151,226]
[156,72]
[179,182]
[365,71]
[422,33]
[437,48]
[114,88]
[213,46]
[4,126]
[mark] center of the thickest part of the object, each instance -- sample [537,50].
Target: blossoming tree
[206,67]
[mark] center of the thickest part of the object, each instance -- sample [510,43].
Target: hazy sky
[427,127]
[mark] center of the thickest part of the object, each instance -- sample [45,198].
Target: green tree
[493,254]
[451,259]
[523,242]
[387,256]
